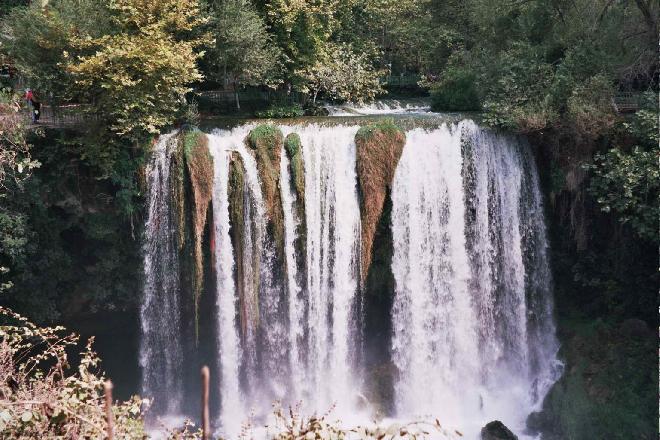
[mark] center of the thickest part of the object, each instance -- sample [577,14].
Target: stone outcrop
[266,142]
[199,165]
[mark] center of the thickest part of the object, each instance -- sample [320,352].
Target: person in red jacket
[29,96]
[33,105]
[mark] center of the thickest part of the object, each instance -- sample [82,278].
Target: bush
[628,185]
[457,91]
[292,144]
[281,111]
[43,397]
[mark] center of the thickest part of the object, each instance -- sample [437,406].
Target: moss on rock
[292,144]
[192,191]
[294,152]
[267,141]
[379,148]
[199,165]
[609,386]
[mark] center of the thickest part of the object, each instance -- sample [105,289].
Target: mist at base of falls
[465,336]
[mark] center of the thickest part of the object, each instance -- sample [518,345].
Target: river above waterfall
[463,332]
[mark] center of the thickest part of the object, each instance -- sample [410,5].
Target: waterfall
[434,341]
[473,337]
[472,334]
[161,339]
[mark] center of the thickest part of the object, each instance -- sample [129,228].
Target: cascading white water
[381,107]
[228,342]
[434,341]
[333,228]
[470,342]
[296,301]
[161,337]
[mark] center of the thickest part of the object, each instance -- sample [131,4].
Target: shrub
[292,144]
[43,397]
[457,91]
[281,111]
[628,185]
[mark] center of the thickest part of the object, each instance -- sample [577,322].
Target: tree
[341,73]
[36,39]
[16,165]
[243,53]
[302,30]
[137,77]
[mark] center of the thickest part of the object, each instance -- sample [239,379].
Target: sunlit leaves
[137,77]
[628,184]
[343,74]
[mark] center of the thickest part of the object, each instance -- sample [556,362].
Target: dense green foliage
[72,246]
[456,92]
[628,184]
[606,394]
[281,111]
[547,64]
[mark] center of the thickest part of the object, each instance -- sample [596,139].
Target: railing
[626,102]
[250,95]
[65,116]
[403,80]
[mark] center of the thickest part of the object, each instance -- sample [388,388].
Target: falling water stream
[472,329]
[469,245]
[161,357]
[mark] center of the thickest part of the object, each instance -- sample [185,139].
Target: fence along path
[626,102]
[65,116]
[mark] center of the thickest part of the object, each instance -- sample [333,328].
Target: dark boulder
[542,422]
[496,430]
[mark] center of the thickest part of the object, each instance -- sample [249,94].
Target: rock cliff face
[379,148]
[605,290]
